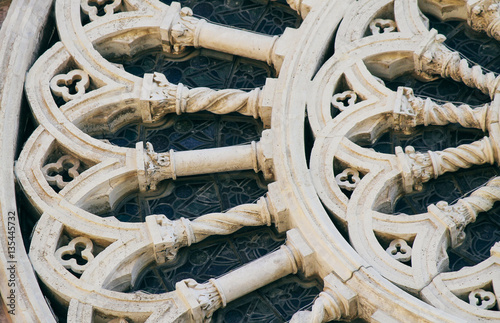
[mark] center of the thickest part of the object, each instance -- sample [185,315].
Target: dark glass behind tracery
[198,195]
[481,235]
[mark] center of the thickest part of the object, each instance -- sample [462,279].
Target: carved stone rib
[231,221]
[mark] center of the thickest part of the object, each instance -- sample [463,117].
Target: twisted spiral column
[465,211]
[160,97]
[482,199]
[464,156]
[463,114]
[231,221]
[169,236]
[459,70]
[418,168]
[410,111]
[435,59]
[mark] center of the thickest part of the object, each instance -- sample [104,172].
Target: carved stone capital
[264,155]
[336,301]
[457,216]
[180,29]
[416,168]
[168,236]
[434,60]
[160,97]
[406,109]
[156,166]
[204,299]
[483,16]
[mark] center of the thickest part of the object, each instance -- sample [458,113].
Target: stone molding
[361,278]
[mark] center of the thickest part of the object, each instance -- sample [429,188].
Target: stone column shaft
[237,42]
[257,274]
[208,161]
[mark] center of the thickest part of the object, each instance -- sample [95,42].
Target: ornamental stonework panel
[261,161]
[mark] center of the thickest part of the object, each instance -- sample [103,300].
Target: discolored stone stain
[4,7]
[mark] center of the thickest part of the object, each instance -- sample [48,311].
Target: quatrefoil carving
[482,299]
[53,172]
[382,26]
[348,179]
[74,248]
[71,85]
[344,100]
[399,250]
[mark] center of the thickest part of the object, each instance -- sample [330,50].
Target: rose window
[264,161]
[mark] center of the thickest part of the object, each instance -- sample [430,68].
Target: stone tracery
[289,205]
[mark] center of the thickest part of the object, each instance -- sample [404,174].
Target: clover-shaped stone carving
[399,250]
[344,100]
[348,179]
[94,8]
[71,85]
[482,299]
[382,26]
[57,173]
[79,248]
